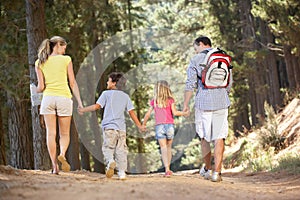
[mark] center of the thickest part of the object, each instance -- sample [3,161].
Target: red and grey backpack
[216,69]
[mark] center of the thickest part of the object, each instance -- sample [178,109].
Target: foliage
[283,19]
[13,52]
[289,163]
[269,135]
[86,26]
[192,154]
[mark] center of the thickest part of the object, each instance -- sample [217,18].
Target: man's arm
[187,97]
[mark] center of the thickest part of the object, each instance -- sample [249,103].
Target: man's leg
[218,154]
[206,153]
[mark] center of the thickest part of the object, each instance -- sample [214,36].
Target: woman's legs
[64,133]
[50,121]
[64,141]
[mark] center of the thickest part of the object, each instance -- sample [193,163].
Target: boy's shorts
[164,131]
[211,125]
[57,105]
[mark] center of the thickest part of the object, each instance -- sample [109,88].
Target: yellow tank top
[55,71]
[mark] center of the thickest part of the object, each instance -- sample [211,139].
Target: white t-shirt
[115,103]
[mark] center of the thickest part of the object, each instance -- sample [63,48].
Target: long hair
[46,48]
[162,93]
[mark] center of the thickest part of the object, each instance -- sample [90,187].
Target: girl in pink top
[164,107]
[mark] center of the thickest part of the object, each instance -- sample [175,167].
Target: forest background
[261,36]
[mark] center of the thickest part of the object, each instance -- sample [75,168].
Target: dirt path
[41,185]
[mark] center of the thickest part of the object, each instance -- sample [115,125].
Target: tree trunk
[3,160]
[270,61]
[36,32]
[21,153]
[85,158]
[257,88]
[73,150]
[289,66]
[296,69]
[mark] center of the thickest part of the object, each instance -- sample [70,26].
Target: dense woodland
[261,36]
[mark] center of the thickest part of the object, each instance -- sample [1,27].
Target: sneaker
[216,177]
[206,173]
[122,175]
[110,168]
[168,174]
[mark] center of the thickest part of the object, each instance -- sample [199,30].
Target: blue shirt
[115,103]
[205,99]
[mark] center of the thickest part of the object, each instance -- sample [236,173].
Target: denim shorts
[164,131]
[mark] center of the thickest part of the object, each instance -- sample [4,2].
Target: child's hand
[186,113]
[80,110]
[142,128]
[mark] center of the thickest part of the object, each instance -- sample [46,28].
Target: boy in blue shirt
[115,102]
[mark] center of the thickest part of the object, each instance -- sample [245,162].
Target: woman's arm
[73,84]
[40,78]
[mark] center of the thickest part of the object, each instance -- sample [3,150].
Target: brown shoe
[65,167]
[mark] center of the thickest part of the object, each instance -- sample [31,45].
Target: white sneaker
[122,175]
[216,177]
[205,173]
[110,168]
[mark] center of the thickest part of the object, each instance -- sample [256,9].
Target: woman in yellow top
[55,78]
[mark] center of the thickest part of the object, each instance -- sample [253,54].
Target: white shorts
[211,125]
[57,105]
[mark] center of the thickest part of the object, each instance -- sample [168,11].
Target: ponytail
[47,46]
[44,51]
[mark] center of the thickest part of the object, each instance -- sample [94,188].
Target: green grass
[289,164]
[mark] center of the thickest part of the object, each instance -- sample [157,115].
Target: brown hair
[119,78]
[205,40]
[46,48]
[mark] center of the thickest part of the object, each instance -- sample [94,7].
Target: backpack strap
[205,51]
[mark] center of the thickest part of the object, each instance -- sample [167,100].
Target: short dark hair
[205,40]
[119,78]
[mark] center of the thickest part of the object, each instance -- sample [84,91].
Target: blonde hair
[162,93]
[46,48]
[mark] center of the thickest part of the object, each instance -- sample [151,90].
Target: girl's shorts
[164,131]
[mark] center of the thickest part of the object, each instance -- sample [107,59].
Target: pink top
[163,115]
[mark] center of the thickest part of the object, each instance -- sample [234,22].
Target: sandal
[64,164]
[168,174]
